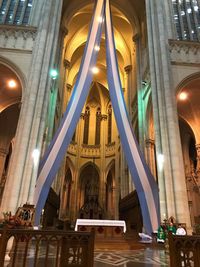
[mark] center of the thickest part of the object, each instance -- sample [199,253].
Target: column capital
[149,142]
[136,37]
[66,64]
[104,117]
[68,87]
[64,30]
[128,68]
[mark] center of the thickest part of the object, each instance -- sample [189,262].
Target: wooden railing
[47,248]
[184,251]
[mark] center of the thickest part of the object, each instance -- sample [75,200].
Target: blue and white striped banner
[144,182]
[57,149]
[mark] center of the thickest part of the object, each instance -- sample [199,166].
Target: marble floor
[148,257]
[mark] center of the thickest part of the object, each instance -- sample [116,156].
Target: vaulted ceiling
[9,95]
[77,16]
[189,108]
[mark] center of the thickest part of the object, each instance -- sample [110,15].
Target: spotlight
[12,84]
[100,19]
[53,74]
[35,156]
[144,83]
[183,96]
[95,70]
[160,161]
[97,48]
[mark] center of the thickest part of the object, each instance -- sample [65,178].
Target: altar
[104,229]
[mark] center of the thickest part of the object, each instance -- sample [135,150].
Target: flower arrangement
[23,218]
[9,220]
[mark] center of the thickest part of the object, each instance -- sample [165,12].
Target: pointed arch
[89,181]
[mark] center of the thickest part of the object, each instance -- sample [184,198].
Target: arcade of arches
[94,180]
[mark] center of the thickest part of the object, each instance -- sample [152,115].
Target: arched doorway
[10,99]
[189,123]
[89,194]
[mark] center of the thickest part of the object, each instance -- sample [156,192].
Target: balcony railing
[90,151]
[17,37]
[184,52]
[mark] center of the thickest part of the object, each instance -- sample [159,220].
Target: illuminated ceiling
[77,17]
[189,109]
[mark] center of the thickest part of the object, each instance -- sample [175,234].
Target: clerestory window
[187,19]
[15,12]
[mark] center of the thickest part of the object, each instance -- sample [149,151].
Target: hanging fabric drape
[57,149]
[144,182]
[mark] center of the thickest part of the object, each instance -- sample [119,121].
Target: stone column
[22,173]
[113,210]
[67,87]
[68,94]
[55,102]
[51,112]
[140,93]
[3,155]
[102,167]
[75,188]
[80,130]
[198,156]
[124,176]
[61,64]
[128,87]
[171,177]
[123,165]
[150,155]
[62,210]
[171,29]
[117,194]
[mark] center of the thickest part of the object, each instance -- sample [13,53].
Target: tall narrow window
[98,127]
[67,190]
[3,10]
[68,193]
[109,124]
[86,125]
[27,12]
[10,13]
[18,12]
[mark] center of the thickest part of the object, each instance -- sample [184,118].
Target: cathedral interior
[158,53]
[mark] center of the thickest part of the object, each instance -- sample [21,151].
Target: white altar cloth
[88,222]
